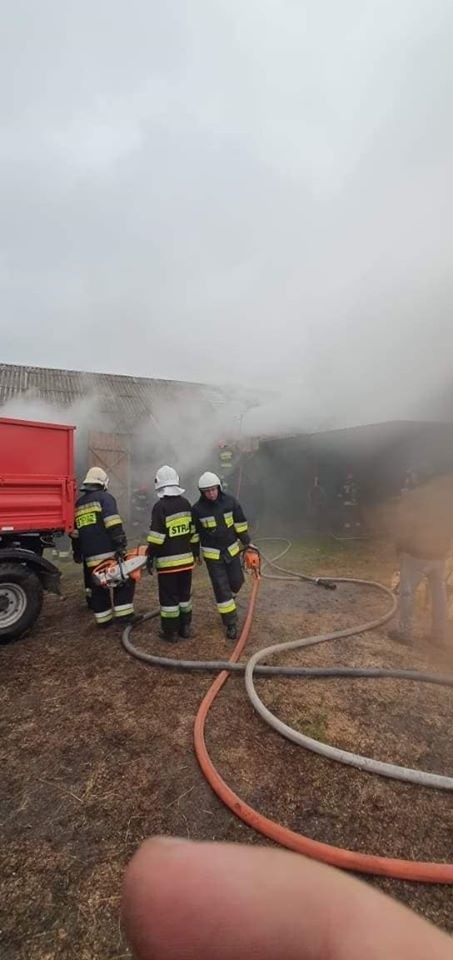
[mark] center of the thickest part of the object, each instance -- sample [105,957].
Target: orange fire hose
[336,856]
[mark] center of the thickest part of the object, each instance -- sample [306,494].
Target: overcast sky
[226,189]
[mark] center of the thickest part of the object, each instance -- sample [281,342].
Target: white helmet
[97,475]
[167,482]
[209,479]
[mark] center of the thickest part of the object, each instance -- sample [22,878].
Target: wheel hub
[13,603]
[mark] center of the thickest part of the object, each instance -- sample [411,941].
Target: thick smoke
[81,413]
[183,432]
[85,415]
[187,433]
[275,204]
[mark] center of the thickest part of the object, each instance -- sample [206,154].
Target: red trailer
[37,492]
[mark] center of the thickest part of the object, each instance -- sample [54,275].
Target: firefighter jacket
[349,493]
[220,527]
[226,460]
[98,533]
[169,538]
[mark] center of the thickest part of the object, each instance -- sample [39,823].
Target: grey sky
[224,189]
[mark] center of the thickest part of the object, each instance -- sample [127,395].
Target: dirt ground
[96,751]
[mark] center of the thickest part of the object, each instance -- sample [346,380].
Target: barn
[277,478]
[128,425]
[131,425]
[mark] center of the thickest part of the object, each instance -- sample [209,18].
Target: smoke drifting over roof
[229,192]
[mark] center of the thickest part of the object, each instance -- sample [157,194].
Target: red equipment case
[37,485]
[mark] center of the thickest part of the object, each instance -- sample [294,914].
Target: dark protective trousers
[227,579]
[175,600]
[351,523]
[106,605]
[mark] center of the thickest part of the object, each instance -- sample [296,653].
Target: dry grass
[97,754]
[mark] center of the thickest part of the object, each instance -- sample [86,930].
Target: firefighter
[226,464]
[99,535]
[221,530]
[170,551]
[349,495]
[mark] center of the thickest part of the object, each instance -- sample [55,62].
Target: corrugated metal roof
[126,399]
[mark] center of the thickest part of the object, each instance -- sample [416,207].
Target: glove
[251,546]
[120,554]
[149,564]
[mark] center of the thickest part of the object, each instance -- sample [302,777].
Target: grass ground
[96,751]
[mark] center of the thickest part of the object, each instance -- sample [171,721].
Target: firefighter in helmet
[170,551]
[99,535]
[221,530]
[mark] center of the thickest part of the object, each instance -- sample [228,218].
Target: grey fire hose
[420,777]
[255,667]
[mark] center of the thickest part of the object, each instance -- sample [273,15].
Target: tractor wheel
[21,596]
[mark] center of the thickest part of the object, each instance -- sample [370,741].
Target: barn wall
[282,471]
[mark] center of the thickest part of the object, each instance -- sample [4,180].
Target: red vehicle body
[36,476]
[37,493]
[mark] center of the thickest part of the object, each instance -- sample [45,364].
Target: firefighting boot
[168,637]
[232,630]
[185,631]
[169,631]
[130,620]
